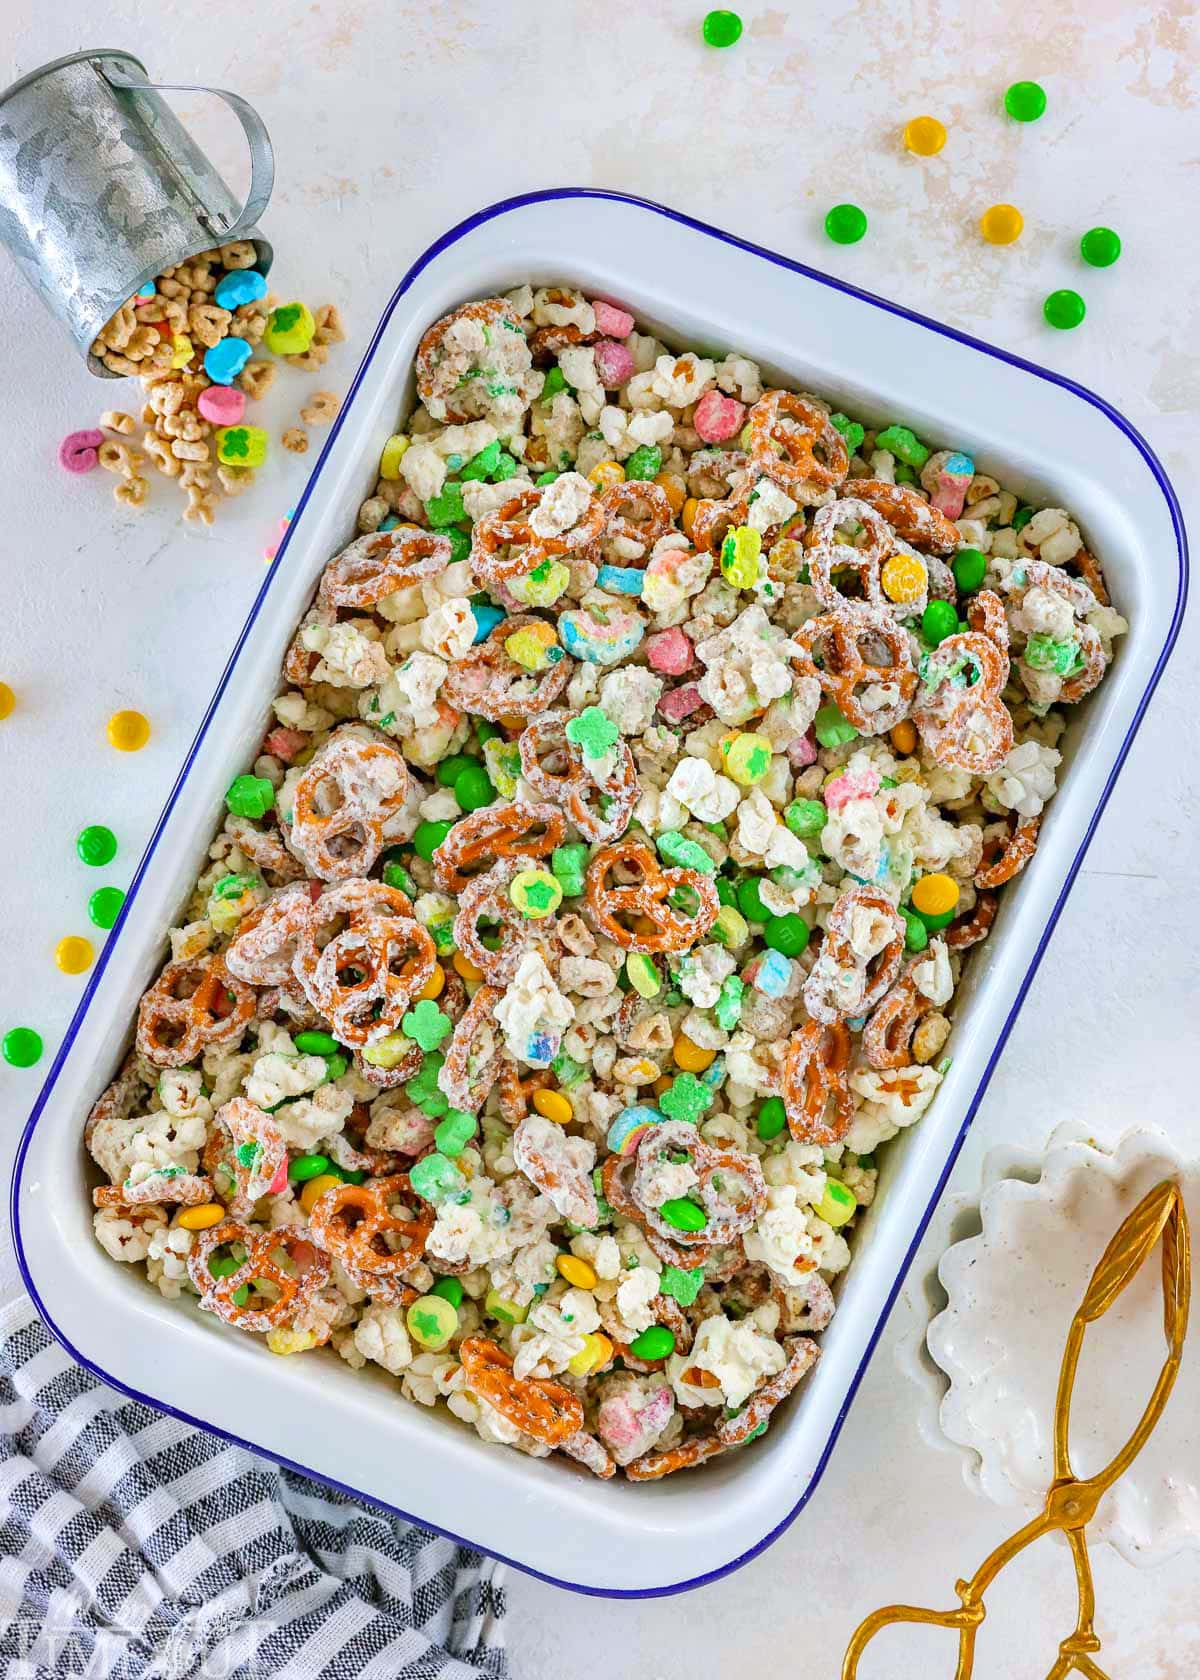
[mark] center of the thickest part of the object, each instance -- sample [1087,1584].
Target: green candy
[852,432]
[772,1118]
[933,923]
[938,621]
[1044,653]
[556,381]
[450,769]
[395,875]
[832,729]
[645,461]
[594,731]
[316,1044]
[223,1265]
[505,468]
[545,478]
[450,1289]
[749,900]
[335,1067]
[970,568]
[568,1071]
[726,891]
[473,788]
[1021,518]
[250,796]
[426,1025]
[904,445]
[455,1132]
[483,465]
[447,507]
[728,1007]
[787,934]
[429,837]
[686,1098]
[916,934]
[676,848]
[684,1215]
[423,1090]
[806,817]
[21,1047]
[460,542]
[567,863]
[436,1179]
[656,1343]
[305,1167]
[1064,309]
[104,906]
[681,1286]
[233,886]
[501,1307]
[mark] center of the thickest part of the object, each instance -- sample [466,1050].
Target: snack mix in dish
[644,770]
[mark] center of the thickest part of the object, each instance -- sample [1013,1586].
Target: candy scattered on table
[128,731]
[74,955]
[104,906]
[21,1047]
[96,845]
[1002,224]
[721,29]
[1025,102]
[1064,309]
[1100,247]
[845,224]
[924,136]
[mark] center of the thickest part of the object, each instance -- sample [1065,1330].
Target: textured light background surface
[392,121]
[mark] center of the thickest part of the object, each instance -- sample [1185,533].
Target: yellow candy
[674,488]
[226,913]
[128,731]
[903,578]
[747,758]
[393,453]
[597,1350]
[7,700]
[935,895]
[691,1057]
[642,974]
[433,986]
[536,893]
[576,1271]
[606,475]
[465,968]
[200,1218]
[1002,224]
[284,1341]
[241,446]
[541,591]
[389,1051]
[553,1105]
[925,136]
[182,350]
[688,516]
[730,927]
[74,955]
[740,555]
[316,1187]
[531,646]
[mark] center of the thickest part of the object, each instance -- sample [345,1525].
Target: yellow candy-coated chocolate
[202,1217]
[606,475]
[576,1271]
[553,1105]
[7,700]
[433,986]
[935,895]
[74,955]
[128,731]
[1002,224]
[924,136]
[465,968]
[692,1058]
[317,1187]
[904,578]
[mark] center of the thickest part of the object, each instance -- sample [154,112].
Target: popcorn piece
[1026,779]
[738,1355]
[697,787]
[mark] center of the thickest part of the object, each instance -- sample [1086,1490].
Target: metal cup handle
[262,153]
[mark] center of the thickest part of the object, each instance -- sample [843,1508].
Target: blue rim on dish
[451,237]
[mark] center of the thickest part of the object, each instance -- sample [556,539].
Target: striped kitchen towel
[133,1547]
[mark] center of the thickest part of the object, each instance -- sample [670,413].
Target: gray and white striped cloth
[133,1547]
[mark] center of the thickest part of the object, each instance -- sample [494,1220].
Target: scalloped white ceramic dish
[1012,1290]
[1050,440]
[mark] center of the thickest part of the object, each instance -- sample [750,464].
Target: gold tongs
[1071,1502]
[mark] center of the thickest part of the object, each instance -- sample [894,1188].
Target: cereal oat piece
[321,408]
[295,440]
[256,378]
[114,420]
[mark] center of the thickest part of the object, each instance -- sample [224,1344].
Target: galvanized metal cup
[102,187]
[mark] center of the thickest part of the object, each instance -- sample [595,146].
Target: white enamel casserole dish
[1052,442]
